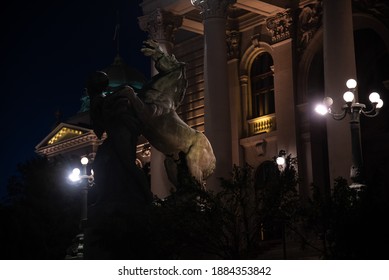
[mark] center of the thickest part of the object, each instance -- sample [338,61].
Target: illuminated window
[262,85]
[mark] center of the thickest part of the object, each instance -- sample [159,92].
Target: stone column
[161,26]
[216,97]
[233,53]
[339,66]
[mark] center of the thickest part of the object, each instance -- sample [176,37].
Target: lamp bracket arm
[371,113]
[338,116]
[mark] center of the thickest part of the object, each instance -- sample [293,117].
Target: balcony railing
[262,124]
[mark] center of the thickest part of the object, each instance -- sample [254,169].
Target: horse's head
[97,83]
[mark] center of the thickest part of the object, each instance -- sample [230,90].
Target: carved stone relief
[279,26]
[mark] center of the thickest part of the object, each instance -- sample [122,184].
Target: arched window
[262,85]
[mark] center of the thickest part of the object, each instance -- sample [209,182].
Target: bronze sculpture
[120,214]
[155,108]
[156,105]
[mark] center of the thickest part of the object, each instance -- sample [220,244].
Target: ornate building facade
[256,69]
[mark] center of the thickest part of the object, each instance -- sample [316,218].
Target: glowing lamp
[351,83]
[379,104]
[75,175]
[348,96]
[374,97]
[280,160]
[321,109]
[84,160]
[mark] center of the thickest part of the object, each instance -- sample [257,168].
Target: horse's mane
[167,88]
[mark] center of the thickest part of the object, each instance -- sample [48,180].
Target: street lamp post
[354,110]
[76,176]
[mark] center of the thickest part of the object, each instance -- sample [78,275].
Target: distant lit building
[75,136]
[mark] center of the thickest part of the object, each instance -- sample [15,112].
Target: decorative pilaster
[233,44]
[233,35]
[280,26]
[213,8]
[161,25]
[310,20]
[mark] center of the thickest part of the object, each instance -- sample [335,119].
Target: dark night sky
[47,51]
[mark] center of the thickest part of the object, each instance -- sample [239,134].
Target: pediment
[63,132]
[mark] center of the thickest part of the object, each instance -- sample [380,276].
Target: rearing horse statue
[155,106]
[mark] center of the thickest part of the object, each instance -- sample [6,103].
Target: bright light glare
[348,96]
[75,175]
[351,83]
[84,160]
[380,104]
[374,97]
[321,109]
[280,160]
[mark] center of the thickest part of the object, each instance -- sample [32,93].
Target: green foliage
[241,218]
[194,223]
[278,192]
[41,215]
[186,225]
[350,224]
[267,204]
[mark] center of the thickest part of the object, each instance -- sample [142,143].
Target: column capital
[244,79]
[213,8]
[160,25]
